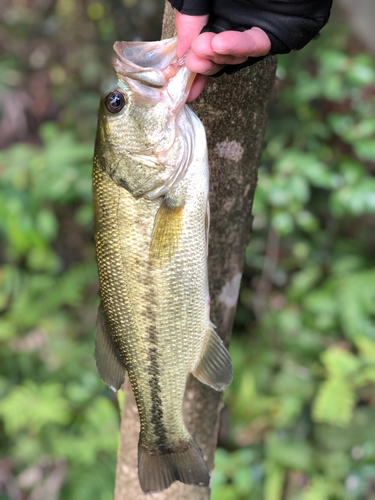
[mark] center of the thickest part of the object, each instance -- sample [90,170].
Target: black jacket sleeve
[290,24]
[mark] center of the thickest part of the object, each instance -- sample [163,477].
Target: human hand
[210,52]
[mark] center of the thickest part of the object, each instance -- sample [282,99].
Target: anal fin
[110,366]
[215,366]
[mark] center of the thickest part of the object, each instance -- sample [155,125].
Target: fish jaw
[153,73]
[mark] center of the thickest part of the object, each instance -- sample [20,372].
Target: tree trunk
[233,111]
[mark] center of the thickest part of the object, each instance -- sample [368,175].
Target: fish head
[137,126]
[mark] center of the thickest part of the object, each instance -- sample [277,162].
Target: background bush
[298,424]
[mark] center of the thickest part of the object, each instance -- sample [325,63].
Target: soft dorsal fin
[215,365]
[110,366]
[167,228]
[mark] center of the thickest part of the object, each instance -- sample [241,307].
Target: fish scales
[151,228]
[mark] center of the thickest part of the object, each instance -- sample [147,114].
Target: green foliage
[52,403]
[31,407]
[335,402]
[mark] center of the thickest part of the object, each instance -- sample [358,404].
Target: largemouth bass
[151,229]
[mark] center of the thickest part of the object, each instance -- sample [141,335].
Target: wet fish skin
[151,230]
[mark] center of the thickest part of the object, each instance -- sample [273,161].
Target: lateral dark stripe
[153,371]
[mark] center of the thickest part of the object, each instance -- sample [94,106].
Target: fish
[151,185]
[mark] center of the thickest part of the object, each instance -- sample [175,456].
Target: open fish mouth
[145,61]
[153,72]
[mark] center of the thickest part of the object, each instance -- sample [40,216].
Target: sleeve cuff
[191,7]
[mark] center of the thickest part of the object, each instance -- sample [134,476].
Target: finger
[253,42]
[202,45]
[223,60]
[198,64]
[197,87]
[188,27]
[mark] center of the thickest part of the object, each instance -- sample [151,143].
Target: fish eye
[115,101]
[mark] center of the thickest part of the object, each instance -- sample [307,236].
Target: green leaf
[361,70]
[32,407]
[365,149]
[99,433]
[225,492]
[7,329]
[365,128]
[334,88]
[365,376]
[92,481]
[356,301]
[347,265]
[334,403]
[340,123]
[288,411]
[320,303]
[366,348]
[317,490]
[307,221]
[247,393]
[339,362]
[242,481]
[274,481]
[288,453]
[333,60]
[304,280]
[42,259]
[283,223]
[352,171]
[46,224]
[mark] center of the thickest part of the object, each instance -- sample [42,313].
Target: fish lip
[145,61]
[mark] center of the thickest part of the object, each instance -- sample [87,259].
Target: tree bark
[233,111]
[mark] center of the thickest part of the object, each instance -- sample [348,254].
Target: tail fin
[158,470]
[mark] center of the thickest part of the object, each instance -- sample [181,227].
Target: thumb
[188,27]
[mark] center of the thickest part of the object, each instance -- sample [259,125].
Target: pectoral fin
[215,366]
[110,366]
[167,228]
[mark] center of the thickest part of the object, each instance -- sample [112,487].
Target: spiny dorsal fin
[110,367]
[215,366]
[167,228]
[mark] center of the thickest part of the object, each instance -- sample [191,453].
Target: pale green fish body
[151,186]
